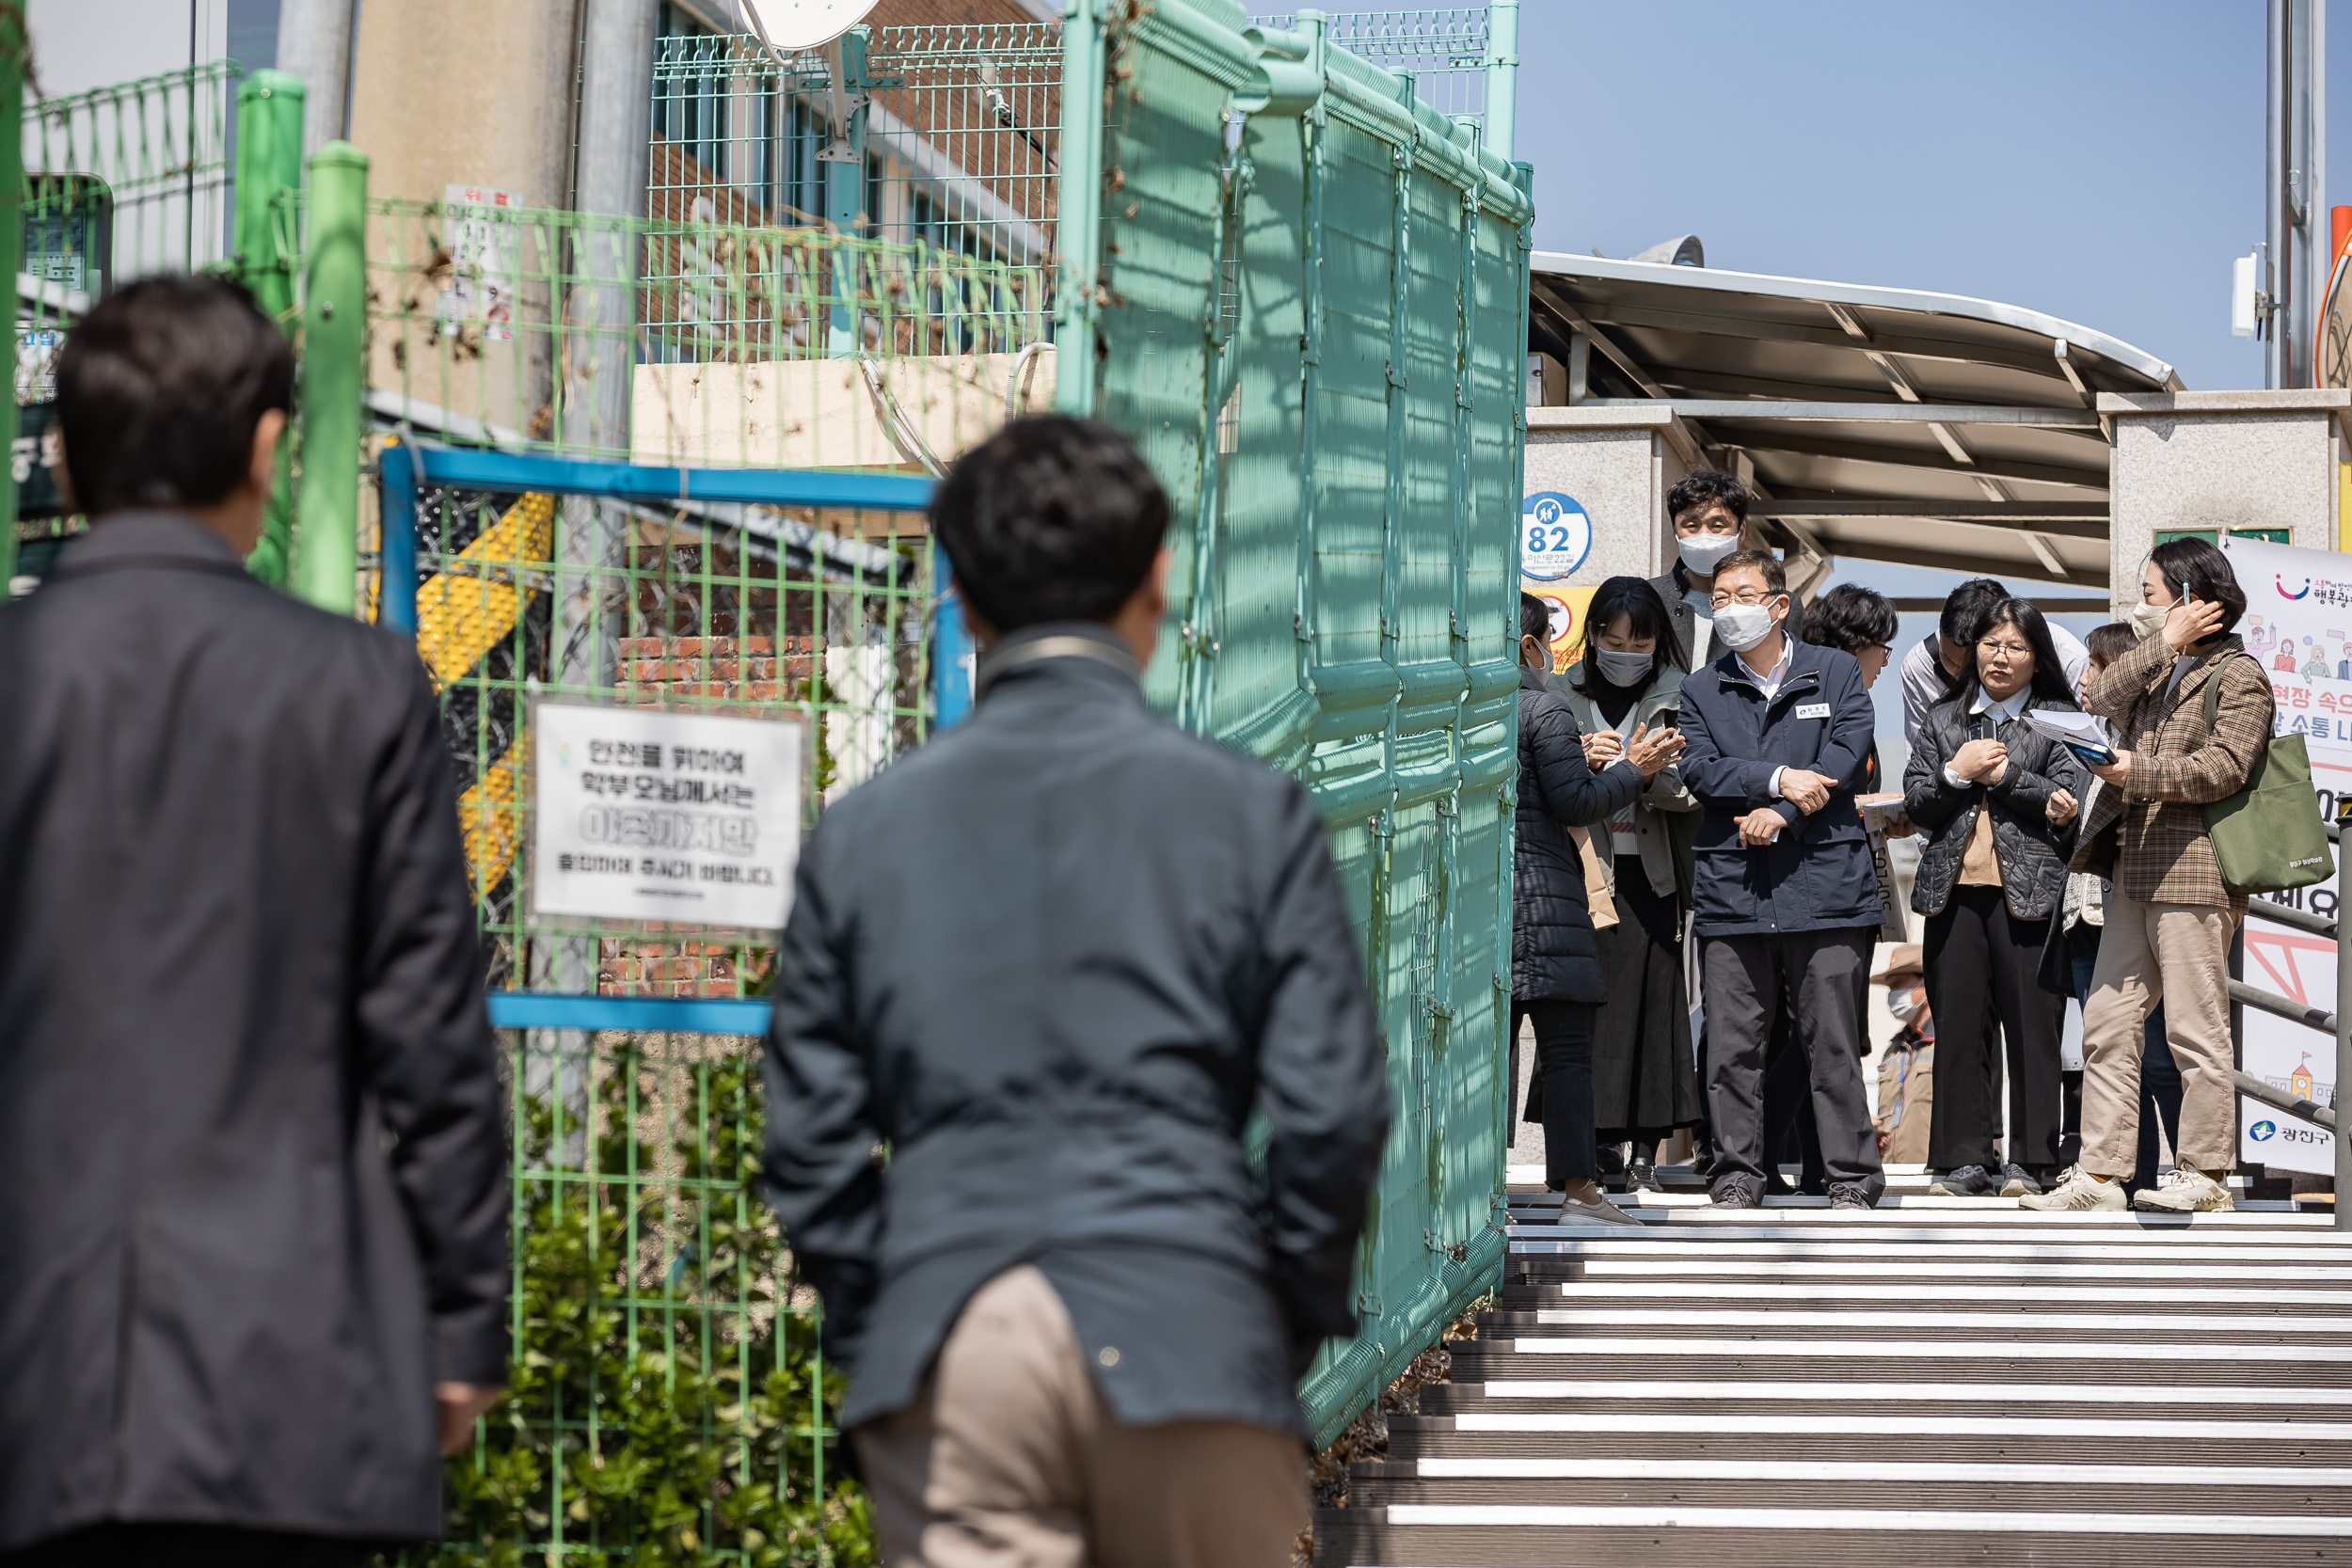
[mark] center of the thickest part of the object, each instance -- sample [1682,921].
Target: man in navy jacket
[1786,900]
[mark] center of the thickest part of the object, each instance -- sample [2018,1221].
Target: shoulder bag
[2268,837]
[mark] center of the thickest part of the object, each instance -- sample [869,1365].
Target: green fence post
[269,161]
[334,376]
[13,49]
[1083,86]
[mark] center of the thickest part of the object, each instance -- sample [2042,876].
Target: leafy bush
[667,1396]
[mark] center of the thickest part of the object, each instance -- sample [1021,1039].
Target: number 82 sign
[1555,536]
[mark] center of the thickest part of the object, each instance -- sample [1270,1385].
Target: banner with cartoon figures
[1555,536]
[2298,623]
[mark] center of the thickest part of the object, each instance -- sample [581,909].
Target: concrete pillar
[2220,461]
[1617,463]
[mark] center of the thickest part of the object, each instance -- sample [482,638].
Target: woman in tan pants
[2170,919]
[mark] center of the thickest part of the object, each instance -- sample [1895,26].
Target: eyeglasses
[2013,650]
[1745,595]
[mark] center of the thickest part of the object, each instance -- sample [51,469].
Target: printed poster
[2298,623]
[651,815]
[484,265]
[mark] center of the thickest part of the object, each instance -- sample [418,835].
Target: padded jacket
[1817,874]
[2032,852]
[1552,954]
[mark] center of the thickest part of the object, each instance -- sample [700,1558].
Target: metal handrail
[2280,1006]
[2281,914]
[2279,1100]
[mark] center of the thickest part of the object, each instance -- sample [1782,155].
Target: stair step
[1603,1399]
[2023,1322]
[2051,1488]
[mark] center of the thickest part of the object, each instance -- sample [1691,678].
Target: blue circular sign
[1555,536]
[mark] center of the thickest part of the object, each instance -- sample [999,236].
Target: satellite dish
[790,27]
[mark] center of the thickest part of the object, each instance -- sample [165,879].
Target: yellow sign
[1567,618]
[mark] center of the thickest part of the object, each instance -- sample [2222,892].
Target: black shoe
[1609,1158]
[1845,1195]
[1736,1192]
[1642,1176]
[2017,1181]
[1967,1182]
[1814,1183]
[1777,1185]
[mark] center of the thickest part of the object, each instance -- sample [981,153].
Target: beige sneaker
[2187,1192]
[2079,1191]
[1599,1210]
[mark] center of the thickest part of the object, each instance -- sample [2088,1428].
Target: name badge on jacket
[1812,711]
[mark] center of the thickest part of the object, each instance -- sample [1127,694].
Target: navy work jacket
[1817,874]
[1052,961]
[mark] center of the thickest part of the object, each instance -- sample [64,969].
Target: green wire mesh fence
[119,183]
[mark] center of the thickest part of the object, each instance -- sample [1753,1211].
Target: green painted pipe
[13,49]
[334,379]
[269,161]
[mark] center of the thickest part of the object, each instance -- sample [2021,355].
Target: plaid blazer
[2150,836]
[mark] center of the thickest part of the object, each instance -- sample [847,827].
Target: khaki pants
[2179,955]
[1011,1458]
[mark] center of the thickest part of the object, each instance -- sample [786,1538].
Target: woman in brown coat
[2170,919]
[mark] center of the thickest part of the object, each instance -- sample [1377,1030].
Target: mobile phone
[2102,757]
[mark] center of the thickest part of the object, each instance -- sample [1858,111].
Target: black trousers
[119,1545]
[1746,979]
[1563,1085]
[1981,962]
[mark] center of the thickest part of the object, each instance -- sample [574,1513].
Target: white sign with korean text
[2298,623]
[651,815]
[483,269]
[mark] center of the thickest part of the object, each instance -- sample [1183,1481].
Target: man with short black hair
[1786,898]
[253,1196]
[1933,669]
[1708,510]
[1051,963]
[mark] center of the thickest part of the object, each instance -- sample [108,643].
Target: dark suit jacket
[1054,960]
[1675,582]
[1817,874]
[252,1177]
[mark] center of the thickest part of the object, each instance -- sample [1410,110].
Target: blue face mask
[1622,669]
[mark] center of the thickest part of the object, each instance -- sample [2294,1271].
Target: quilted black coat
[1552,955]
[2032,852]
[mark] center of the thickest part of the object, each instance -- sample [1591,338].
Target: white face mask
[2148,619]
[1904,1004]
[1741,626]
[1622,669]
[1703,552]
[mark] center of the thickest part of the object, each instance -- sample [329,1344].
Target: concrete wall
[474,91]
[1618,462]
[2220,460]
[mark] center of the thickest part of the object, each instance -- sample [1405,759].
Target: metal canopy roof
[1889,424]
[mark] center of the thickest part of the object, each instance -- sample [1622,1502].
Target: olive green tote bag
[2268,837]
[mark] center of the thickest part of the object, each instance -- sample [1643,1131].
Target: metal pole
[2344,1049]
[269,162]
[2279,36]
[845,186]
[1081,209]
[325,557]
[396,514]
[314,43]
[13,49]
[1502,76]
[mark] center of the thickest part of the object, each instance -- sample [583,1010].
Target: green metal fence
[1307,292]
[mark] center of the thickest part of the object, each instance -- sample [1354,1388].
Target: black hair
[159,391]
[1052,518]
[1850,618]
[1775,575]
[1694,490]
[1968,609]
[1646,614]
[1535,618]
[2049,675]
[2193,566]
[2110,642]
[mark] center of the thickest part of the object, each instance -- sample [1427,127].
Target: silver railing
[2338,1024]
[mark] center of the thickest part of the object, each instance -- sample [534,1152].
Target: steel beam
[1869,413]
[2085,478]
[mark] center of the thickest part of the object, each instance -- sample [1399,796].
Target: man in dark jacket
[1708,512]
[1786,901]
[1051,963]
[252,1176]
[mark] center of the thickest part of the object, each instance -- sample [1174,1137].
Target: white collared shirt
[1769,683]
[2000,713]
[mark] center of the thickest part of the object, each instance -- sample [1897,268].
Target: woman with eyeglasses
[1995,798]
[1646,1084]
